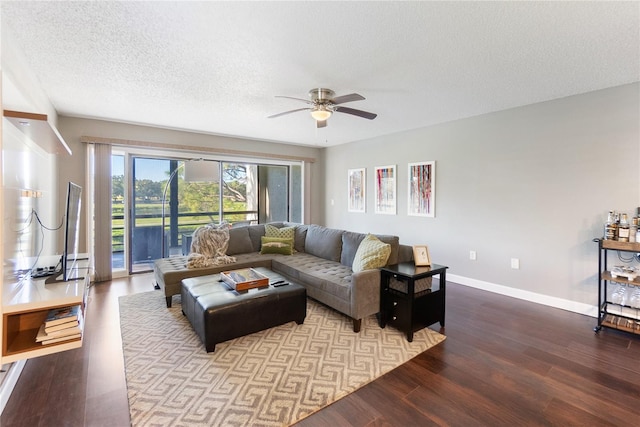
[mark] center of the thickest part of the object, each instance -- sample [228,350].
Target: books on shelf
[57,316]
[60,339]
[244,279]
[61,324]
[60,335]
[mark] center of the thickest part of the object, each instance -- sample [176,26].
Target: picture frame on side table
[385,184]
[422,189]
[356,190]
[421,255]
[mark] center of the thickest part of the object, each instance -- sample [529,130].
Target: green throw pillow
[372,253]
[283,233]
[276,245]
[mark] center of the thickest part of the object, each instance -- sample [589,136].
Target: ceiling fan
[323,104]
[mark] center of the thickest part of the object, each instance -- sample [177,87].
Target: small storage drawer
[398,312]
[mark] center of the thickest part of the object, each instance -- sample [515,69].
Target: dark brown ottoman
[218,313]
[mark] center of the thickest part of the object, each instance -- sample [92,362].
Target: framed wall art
[356,183]
[385,178]
[422,189]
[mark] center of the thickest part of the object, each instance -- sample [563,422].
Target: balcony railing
[147,233]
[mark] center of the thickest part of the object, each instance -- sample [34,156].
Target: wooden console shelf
[20,336]
[37,128]
[25,306]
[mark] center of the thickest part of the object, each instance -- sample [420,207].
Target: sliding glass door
[159,201]
[239,193]
[149,178]
[274,193]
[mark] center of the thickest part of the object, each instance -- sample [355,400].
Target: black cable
[41,229]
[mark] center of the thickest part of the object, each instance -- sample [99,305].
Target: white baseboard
[564,304]
[9,382]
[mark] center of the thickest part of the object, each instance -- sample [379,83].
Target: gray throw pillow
[256,232]
[324,242]
[350,243]
[394,241]
[239,241]
[300,235]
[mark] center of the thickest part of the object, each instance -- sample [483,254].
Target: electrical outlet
[515,263]
[472,255]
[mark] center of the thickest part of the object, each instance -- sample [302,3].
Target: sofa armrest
[365,293]
[405,253]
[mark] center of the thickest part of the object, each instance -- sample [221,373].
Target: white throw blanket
[209,246]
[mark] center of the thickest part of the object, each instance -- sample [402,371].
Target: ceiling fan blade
[347,98]
[321,124]
[287,112]
[306,101]
[354,112]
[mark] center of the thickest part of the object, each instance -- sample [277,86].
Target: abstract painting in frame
[422,189]
[385,177]
[357,190]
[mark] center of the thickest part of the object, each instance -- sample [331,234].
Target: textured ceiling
[215,67]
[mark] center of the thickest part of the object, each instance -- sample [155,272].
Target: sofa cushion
[239,241]
[394,241]
[256,232]
[350,243]
[300,235]
[276,245]
[372,253]
[319,276]
[324,242]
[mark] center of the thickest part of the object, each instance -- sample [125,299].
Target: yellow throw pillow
[283,233]
[372,253]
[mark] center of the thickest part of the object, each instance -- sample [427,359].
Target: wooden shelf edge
[621,246]
[621,323]
[43,350]
[606,275]
[39,305]
[37,128]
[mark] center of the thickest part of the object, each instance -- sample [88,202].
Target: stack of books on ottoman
[61,324]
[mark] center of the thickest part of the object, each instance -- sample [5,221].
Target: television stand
[25,305]
[57,278]
[73,269]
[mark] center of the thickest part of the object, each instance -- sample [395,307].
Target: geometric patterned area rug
[270,378]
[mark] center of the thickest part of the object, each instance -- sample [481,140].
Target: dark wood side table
[409,300]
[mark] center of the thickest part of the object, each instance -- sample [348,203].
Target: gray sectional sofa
[322,263]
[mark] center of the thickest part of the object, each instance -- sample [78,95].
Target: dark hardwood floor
[504,362]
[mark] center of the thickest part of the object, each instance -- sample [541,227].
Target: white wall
[25,165]
[533,183]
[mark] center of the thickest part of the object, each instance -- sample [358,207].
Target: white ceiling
[215,67]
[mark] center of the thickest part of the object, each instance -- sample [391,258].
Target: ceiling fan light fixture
[321,113]
[323,104]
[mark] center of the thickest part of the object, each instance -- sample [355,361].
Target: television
[69,258]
